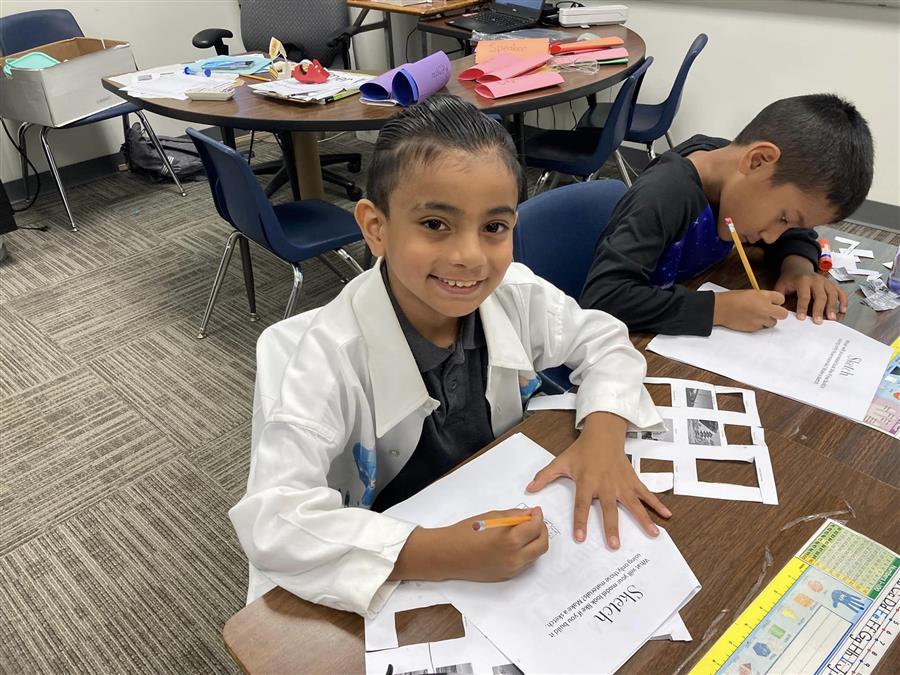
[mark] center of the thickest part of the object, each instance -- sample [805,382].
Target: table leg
[228,137]
[424,36]
[389,38]
[306,162]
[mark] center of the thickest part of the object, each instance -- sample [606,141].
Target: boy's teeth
[461,284]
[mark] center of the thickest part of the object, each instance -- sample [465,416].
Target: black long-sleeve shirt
[655,213]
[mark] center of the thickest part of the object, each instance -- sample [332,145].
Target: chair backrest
[238,197]
[557,231]
[619,119]
[308,26]
[671,104]
[19,32]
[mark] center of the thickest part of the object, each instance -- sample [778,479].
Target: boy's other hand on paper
[798,276]
[749,310]
[597,463]
[460,552]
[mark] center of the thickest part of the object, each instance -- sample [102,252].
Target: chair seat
[108,114]
[645,124]
[312,227]
[562,150]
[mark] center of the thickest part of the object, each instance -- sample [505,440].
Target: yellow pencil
[740,250]
[479,525]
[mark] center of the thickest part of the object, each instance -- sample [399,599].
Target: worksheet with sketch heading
[579,608]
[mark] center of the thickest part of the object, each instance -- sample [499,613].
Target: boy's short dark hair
[418,134]
[825,144]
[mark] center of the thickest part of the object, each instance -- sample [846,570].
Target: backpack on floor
[142,156]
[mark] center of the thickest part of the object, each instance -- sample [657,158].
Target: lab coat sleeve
[292,525]
[607,368]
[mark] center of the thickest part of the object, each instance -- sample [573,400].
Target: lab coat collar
[397,385]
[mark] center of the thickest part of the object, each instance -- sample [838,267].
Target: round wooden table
[247,110]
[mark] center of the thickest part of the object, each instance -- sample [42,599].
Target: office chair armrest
[345,35]
[213,37]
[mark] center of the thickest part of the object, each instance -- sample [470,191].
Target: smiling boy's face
[762,211]
[448,238]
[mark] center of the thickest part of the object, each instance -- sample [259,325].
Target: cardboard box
[68,91]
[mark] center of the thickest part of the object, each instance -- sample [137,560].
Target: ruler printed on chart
[833,608]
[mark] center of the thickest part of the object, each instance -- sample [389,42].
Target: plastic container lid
[32,60]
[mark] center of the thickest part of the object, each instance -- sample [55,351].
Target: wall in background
[759,51]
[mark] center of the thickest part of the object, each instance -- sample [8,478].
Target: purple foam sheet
[417,81]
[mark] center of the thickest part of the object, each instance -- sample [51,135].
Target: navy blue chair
[651,121]
[556,235]
[294,232]
[583,152]
[27,30]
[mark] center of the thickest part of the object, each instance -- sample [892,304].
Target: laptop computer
[502,16]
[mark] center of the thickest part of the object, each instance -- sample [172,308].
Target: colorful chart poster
[834,608]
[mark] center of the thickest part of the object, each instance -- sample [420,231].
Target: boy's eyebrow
[456,211]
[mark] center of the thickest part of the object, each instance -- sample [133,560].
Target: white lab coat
[338,410]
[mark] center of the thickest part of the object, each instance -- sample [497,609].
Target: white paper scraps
[555,402]
[850,242]
[863,253]
[673,629]
[889,264]
[576,594]
[840,274]
[695,429]
[838,369]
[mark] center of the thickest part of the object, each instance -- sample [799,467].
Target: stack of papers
[170,82]
[838,369]
[580,607]
[845,262]
[338,85]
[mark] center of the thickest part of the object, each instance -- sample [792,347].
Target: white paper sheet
[830,365]
[692,422]
[381,630]
[409,659]
[580,607]
[673,629]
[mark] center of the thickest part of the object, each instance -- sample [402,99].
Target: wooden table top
[247,110]
[821,463]
[431,8]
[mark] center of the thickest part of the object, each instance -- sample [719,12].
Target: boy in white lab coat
[415,366]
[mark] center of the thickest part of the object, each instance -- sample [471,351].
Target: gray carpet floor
[124,440]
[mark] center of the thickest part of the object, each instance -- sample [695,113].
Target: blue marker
[197,71]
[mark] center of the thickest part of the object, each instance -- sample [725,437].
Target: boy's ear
[760,156]
[371,223]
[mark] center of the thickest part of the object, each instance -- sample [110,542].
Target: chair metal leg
[541,182]
[247,265]
[347,258]
[623,169]
[330,265]
[651,153]
[669,140]
[159,149]
[217,284]
[52,162]
[23,129]
[295,291]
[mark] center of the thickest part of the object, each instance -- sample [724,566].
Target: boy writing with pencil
[802,162]
[419,363]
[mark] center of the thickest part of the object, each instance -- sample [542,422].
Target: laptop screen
[524,8]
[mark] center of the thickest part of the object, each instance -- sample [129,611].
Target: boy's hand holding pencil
[493,546]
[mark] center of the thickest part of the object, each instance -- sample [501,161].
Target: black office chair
[312,29]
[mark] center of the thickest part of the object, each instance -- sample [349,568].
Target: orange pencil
[740,250]
[509,521]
